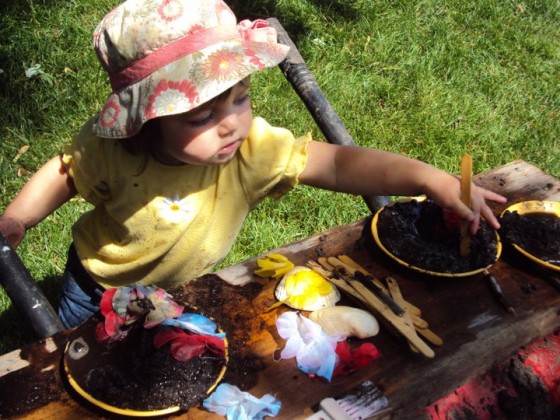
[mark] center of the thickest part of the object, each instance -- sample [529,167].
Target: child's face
[209,134]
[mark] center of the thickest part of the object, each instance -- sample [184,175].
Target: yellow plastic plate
[535,206]
[379,243]
[84,353]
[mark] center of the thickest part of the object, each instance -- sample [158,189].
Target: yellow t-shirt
[170,224]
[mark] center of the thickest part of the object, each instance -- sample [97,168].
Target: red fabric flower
[110,328]
[185,346]
[106,304]
[350,361]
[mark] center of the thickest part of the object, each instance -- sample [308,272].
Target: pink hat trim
[255,31]
[182,47]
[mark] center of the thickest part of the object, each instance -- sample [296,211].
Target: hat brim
[184,84]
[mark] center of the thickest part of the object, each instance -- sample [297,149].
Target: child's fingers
[492,196]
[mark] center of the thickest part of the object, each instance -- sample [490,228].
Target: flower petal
[106,304]
[196,323]
[228,400]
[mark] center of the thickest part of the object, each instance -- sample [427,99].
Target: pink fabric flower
[109,114]
[224,65]
[170,10]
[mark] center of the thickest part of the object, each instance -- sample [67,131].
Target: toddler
[175,160]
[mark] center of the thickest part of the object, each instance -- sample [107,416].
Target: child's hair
[167,57]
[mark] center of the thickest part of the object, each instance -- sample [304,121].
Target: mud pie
[533,228]
[144,354]
[421,235]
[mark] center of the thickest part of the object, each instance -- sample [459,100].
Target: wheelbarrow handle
[307,88]
[25,294]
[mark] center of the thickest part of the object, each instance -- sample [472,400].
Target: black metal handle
[25,294]
[307,88]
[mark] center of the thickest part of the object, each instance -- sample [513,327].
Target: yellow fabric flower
[273,265]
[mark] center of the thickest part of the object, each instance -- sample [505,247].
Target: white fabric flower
[175,210]
[313,348]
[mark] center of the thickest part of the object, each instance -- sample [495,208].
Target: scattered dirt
[416,232]
[536,233]
[36,384]
[220,300]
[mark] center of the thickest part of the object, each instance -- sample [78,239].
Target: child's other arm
[48,189]
[364,171]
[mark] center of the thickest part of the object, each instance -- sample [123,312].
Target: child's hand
[13,230]
[447,193]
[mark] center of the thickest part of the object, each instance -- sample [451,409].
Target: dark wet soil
[416,232]
[536,233]
[220,301]
[151,379]
[145,379]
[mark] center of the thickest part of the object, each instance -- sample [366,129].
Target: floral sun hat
[167,57]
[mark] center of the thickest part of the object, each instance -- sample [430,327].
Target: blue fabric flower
[228,400]
[196,323]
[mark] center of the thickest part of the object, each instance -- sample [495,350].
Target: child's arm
[46,190]
[364,171]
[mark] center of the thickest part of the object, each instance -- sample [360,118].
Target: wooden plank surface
[476,331]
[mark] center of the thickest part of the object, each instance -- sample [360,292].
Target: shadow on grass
[294,24]
[15,331]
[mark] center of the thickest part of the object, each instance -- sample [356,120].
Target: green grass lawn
[428,79]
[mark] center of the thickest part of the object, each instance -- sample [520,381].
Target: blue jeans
[81,295]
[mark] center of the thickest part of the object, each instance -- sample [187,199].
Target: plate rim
[379,243]
[534,206]
[128,411]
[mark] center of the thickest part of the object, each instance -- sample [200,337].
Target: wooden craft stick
[359,292]
[417,321]
[325,263]
[466,180]
[368,282]
[430,336]
[422,330]
[399,323]
[396,294]
[414,310]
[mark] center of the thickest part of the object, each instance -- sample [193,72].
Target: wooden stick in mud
[466,181]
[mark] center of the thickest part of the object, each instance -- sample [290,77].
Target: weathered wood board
[476,331]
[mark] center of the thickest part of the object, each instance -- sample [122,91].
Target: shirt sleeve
[85,159]
[271,161]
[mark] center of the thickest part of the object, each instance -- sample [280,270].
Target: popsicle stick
[430,336]
[396,294]
[358,291]
[399,323]
[418,322]
[424,332]
[414,310]
[368,281]
[466,181]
